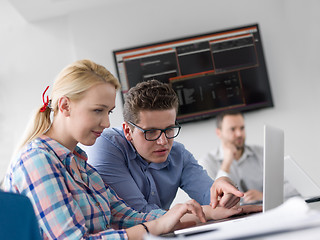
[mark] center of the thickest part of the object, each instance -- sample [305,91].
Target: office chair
[17,218]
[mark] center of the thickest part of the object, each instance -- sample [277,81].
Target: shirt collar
[61,151]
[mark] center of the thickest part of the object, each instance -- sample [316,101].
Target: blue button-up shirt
[146,186]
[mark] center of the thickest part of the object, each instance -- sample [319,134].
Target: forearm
[225,166]
[138,231]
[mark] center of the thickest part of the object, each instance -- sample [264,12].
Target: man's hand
[252,196]
[224,193]
[221,212]
[229,152]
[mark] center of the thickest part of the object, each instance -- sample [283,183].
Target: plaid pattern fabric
[69,206]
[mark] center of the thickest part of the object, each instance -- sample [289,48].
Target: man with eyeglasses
[145,166]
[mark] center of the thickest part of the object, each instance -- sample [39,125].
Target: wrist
[145,227]
[154,227]
[208,212]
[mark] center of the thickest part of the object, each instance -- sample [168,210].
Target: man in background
[242,163]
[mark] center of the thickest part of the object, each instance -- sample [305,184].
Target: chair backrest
[17,218]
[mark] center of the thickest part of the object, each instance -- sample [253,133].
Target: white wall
[31,54]
[30,57]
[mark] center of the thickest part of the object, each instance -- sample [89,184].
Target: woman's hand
[190,213]
[171,220]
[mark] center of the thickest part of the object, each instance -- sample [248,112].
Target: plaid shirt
[69,206]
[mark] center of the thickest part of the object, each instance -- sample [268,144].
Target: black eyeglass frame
[177,126]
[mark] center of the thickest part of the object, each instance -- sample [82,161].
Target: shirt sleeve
[222,173]
[124,216]
[212,166]
[194,179]
[59,216]
[110,159]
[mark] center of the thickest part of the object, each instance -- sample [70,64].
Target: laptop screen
[273,167]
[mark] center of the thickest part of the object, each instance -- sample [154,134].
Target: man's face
[152,151]
[232,131]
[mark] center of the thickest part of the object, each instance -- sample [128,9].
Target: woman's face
[90,115]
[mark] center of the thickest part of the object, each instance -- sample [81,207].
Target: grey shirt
[246,173]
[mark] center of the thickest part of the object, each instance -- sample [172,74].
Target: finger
[229,202]
[186,224]
[233,190]
[236,201]
[199,212]
[214,198]
[250,197]
[195,208]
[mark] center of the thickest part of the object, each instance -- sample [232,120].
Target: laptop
[272,190]
[273,155]
[300,180]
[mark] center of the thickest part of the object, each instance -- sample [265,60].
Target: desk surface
[314,205]
[292,220]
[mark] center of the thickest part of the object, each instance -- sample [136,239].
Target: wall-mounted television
[210,72]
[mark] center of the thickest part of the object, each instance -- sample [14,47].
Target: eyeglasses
[154,134]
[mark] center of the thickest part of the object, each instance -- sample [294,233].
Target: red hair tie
[45,103]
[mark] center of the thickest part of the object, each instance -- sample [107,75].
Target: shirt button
[152,193]
[97,204]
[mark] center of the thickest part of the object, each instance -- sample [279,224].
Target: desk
[314,205]
[292,220]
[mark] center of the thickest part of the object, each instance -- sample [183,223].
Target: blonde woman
[68,195]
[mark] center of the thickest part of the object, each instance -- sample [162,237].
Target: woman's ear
[127,131]
[64,106]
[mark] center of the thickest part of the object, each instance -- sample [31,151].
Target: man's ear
[64,106]
[218,132]
[127,131]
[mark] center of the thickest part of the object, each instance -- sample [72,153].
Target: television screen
[210,72]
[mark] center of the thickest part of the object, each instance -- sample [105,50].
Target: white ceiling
[35,10]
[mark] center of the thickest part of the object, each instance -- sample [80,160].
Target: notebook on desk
[272,190]
[300,180]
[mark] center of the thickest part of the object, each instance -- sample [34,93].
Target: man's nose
[162,139]
[239,132]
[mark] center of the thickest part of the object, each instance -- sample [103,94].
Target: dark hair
[148,95]
[220,117]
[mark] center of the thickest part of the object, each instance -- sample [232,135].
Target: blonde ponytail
[40,124]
